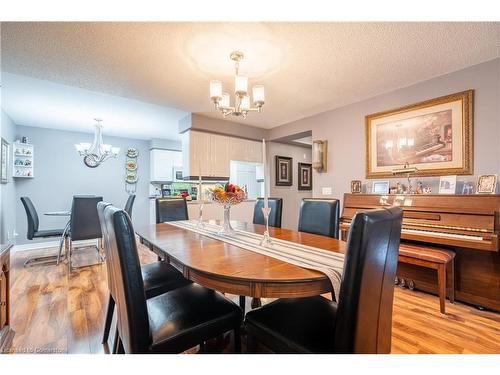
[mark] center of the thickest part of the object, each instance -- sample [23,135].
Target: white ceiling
[306,67]
[33,102]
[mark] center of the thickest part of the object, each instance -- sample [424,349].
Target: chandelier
[96,153]
[241,107]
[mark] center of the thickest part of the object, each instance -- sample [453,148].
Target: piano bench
[441,260]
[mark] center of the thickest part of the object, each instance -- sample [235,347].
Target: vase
[227,229]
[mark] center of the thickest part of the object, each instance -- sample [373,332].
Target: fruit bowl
[227,195]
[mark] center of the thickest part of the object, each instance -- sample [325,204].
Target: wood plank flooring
[56,313]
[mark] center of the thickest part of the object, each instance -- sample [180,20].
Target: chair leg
[109,319]
[237,340]
[70,250]
[121,350]
[251,344]
[116,342]
[242,303]
[451,277]
[442,287]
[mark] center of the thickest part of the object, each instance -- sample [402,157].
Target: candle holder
[266,239]
[200,223]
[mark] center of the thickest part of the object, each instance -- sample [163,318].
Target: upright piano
[466,224]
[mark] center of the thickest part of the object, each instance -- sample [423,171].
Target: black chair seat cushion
[48,233]
[295,325]
[184,317]
[161,277]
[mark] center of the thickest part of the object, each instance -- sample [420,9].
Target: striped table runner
[327,262]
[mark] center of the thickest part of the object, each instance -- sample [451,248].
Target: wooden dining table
[228,268]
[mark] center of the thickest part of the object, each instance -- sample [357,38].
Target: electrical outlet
[326,191]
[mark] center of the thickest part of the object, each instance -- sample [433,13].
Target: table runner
[328,262]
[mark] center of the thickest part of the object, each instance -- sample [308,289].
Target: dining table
[66,213]
[228,268]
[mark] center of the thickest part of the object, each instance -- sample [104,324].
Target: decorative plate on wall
[132,152]
[131,165]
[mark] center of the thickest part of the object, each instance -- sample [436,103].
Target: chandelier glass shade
[94,154]
[241,104]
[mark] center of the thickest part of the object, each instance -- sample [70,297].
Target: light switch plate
[326,191]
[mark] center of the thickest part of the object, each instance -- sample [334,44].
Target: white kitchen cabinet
[206,154]
[162,163]
[245,150]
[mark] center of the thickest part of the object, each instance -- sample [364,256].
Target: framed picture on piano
[434,136]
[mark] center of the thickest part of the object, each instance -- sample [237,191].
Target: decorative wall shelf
[23,160]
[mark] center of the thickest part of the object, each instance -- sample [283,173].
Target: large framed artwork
[4,161]
[305,176]
[283,171]
[435,136]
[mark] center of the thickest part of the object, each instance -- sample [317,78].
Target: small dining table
[65,231]
[227,268]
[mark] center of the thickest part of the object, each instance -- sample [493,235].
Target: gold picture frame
[486,184]
[435,136]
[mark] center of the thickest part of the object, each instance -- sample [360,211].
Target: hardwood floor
[56,313]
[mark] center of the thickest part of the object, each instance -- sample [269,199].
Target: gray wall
[60,173]
[7,191]
[344,128]
[290,194]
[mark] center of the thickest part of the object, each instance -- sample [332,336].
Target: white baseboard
[49,244]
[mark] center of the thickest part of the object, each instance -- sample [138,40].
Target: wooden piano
[466,224]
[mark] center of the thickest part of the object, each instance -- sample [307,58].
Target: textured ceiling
[306,67]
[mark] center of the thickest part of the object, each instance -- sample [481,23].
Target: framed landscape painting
[435,136]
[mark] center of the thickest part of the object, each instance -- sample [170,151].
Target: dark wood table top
[229,268]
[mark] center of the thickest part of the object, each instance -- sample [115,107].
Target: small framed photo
[305,176]
[355,186]
[4,161]
[283,171]
[447,184]
[380,187]
[487,184]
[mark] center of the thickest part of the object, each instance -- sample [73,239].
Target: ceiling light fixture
[96,153]
[222,100]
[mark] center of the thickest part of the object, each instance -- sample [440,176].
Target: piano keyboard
[443,234]
[437,234]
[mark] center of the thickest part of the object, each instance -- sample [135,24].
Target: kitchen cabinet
[210,154]
[162,163]
[206,154]
[245,150]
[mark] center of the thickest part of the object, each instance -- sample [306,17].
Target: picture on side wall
[4,161]
[283,171]
[305,176]
[435,136]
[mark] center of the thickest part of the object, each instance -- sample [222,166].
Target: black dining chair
[171,322]
[319,216]
[158,277]
[171,209]
[276,205]
[361,321]
[34,233]
[130,204]
[84,224]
